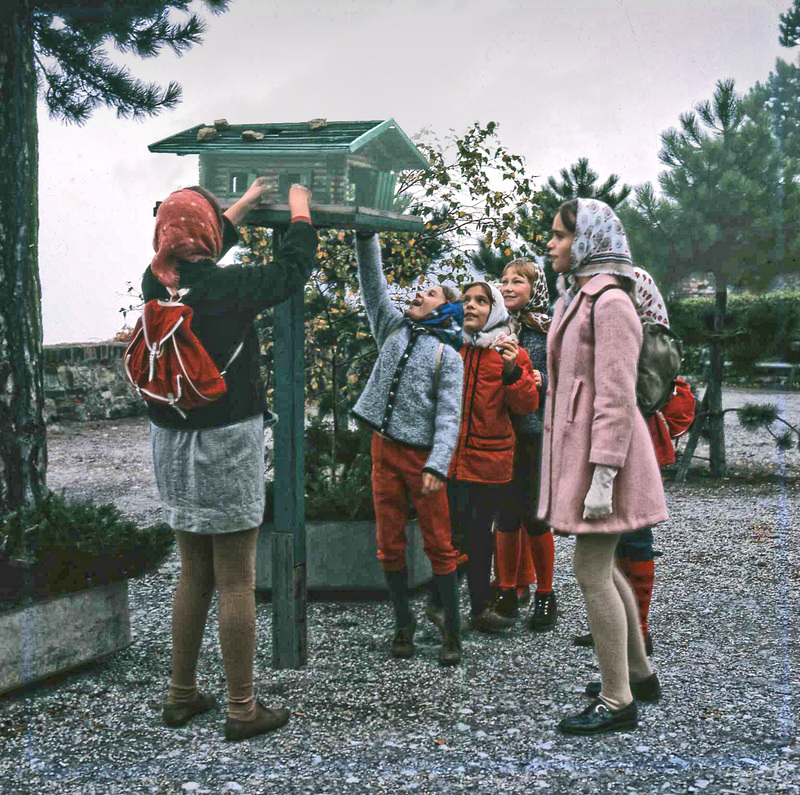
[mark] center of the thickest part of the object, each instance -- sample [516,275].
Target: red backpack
[167,364]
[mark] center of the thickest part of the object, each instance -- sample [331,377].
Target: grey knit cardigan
[423,416]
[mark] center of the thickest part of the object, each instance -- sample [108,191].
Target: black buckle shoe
[450,651]
[598,718]
[545,612]
[505,602]
[647,690]
[403,641]
[583,640]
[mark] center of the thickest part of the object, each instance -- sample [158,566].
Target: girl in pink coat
[599,476]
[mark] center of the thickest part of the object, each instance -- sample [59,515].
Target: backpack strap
[438,367]
[594,300]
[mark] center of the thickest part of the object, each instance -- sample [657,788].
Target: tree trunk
[716,419]
[23,450]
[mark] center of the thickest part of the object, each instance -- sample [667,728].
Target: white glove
[598,499]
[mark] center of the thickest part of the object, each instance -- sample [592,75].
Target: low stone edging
[87,382]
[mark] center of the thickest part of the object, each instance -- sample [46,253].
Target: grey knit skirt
[212,480]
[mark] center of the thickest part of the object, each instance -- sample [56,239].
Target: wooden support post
[694,438]
[289,644]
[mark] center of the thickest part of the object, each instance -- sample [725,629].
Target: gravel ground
[725,622]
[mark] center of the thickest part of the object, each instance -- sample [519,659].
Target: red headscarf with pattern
[188,229]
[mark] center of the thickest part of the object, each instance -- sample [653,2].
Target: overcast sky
[595,78]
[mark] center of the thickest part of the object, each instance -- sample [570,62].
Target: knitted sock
[447,588]
[189,610]
[543,553]
[526,572]
[507,549]
[642,573]
[398,591]
[235,573]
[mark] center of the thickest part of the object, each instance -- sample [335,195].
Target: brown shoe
[403,640]
[450,651]
[179,714]
[489,621]
[266,720]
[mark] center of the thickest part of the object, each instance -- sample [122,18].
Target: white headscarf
[600,245]
[647,298]
[496,325]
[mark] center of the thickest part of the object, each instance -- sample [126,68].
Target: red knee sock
[641,575]
[506,546]
[543,553]
[526,574]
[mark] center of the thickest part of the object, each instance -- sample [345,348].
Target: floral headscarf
[599,246]
[647,298]
[534,314]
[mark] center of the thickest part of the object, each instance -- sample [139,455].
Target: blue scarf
[444,323]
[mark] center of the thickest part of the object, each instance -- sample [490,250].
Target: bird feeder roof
[335,137]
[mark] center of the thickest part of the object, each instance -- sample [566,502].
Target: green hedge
[757,328]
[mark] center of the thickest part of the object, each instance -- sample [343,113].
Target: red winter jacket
[485,450]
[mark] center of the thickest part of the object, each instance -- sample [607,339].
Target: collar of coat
[589,290]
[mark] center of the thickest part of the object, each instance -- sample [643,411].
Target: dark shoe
[489,621]
[450,651]
[524,595]
[545,612]
[647,690]
[506,602]
[266,720]
[598,718]
[583,640]
[403,641]
[179,714]
[435,615]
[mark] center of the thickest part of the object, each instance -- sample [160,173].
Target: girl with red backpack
[209,461]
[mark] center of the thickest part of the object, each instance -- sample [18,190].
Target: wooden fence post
[289,642]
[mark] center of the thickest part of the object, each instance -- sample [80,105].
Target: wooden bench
[779,369]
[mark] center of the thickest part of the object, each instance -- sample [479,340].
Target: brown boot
[179,714]
[266,720]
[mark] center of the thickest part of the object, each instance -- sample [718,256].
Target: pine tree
[579,181]
[57,48]
[790,26]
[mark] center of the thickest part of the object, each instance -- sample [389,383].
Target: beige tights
[613,618]
[229,561]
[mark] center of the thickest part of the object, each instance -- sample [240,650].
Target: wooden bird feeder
[350,167]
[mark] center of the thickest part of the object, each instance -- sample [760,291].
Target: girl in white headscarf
[498,379]
[599,476]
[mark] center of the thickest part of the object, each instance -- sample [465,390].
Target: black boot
[545,612]
[403,641]
[448,590]
[505,602]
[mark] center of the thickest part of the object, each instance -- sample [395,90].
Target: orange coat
[485,450]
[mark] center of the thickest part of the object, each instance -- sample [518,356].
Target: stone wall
[87,382]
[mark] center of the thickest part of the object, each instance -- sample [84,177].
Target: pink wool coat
[591,416]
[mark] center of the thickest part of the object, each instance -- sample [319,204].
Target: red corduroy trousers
[396,479]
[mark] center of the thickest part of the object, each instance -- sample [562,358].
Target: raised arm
[384,316]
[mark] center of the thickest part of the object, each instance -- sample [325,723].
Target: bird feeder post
[289,638]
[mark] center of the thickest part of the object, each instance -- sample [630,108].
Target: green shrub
[57,546]
[756,328]
[337,489]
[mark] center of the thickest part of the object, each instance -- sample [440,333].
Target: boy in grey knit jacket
[412,401]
